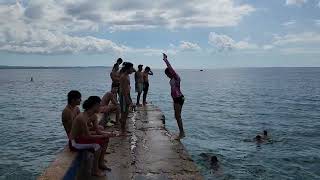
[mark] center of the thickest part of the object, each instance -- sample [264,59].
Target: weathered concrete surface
[149,152]
[59,166]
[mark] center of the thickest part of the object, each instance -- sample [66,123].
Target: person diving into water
[176,94]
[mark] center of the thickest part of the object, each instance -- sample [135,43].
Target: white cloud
[289,23]
[46,42]
[49,27]
[295,2]
[299,43]
[300,38]
[188,46]
[18,35]
[224,42]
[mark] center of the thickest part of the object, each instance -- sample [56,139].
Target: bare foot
[98,173]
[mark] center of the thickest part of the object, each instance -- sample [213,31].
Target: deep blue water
[224,110]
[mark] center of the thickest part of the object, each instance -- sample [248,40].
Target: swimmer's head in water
[74,97]
[265,133]
[140,67]
[168,73]
[258,138]
[214,160]
[92,103]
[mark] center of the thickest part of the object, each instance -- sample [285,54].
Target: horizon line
[61,67]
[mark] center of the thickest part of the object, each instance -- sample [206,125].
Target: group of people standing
[83,128]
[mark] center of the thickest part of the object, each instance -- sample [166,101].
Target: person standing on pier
[115,76]
[125,99]
[138,76]
[146,73]
[176,94]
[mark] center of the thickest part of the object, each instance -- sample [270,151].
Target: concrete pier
[148,152]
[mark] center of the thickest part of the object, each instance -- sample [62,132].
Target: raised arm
[172,71]
[150,73]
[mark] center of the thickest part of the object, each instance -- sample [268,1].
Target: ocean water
[224,110]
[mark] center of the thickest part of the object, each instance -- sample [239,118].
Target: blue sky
[194,33]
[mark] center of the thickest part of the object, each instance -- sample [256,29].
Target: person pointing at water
[176,94]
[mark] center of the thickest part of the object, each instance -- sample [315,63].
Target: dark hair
[73,95]
[214,159]
[265,132]
[90,102]
[126,66]
[119,60]
[115,66]
[140,65]
[147,68]
[167,71]
[258,137]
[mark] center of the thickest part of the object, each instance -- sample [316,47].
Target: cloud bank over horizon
[181,28]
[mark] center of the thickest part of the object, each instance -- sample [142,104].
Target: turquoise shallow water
[224,110]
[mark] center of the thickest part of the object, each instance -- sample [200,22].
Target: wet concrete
[149,152]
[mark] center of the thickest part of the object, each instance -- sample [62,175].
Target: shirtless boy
[138,76]
[82,138]
[146,73]
[125,99]
[109,104]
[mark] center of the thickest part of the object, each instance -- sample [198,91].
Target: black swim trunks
[146,86]
[179,100]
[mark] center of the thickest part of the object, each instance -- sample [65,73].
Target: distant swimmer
[262,138]
[176,94]
[258,139]
[212,163]
[31,80]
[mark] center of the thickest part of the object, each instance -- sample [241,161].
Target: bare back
[68,115]
[124,84]
[79,127]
